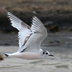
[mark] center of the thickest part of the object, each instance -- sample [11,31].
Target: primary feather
[16,22]
[24,29]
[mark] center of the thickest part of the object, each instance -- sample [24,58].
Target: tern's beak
[51,55]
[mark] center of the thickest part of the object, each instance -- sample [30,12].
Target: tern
[30,38]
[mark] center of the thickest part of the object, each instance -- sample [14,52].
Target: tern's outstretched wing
[16,22]
[39,33]
[30,38]
[24,29]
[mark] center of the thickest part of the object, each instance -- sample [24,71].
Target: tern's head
[47,53]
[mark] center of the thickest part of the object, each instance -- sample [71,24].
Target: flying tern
[30,38]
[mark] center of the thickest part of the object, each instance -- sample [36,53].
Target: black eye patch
[46,53]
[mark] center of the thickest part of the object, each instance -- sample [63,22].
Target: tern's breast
[29,55]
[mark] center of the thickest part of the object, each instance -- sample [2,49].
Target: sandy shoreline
[60,62]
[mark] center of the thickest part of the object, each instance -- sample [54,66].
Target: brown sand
[61,62]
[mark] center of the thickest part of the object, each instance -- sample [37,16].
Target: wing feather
[36,24]
[16,22]
[30,38]
[38,35]
[24,29]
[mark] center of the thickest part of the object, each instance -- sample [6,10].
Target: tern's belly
[29,55]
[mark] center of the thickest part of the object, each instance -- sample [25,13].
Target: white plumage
[30,38]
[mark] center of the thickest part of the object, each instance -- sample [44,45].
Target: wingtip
[33,17]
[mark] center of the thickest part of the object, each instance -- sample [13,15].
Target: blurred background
[55,14]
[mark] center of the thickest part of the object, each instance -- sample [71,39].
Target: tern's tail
[12,54]
[6,54]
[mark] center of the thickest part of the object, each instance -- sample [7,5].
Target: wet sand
[61,62]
